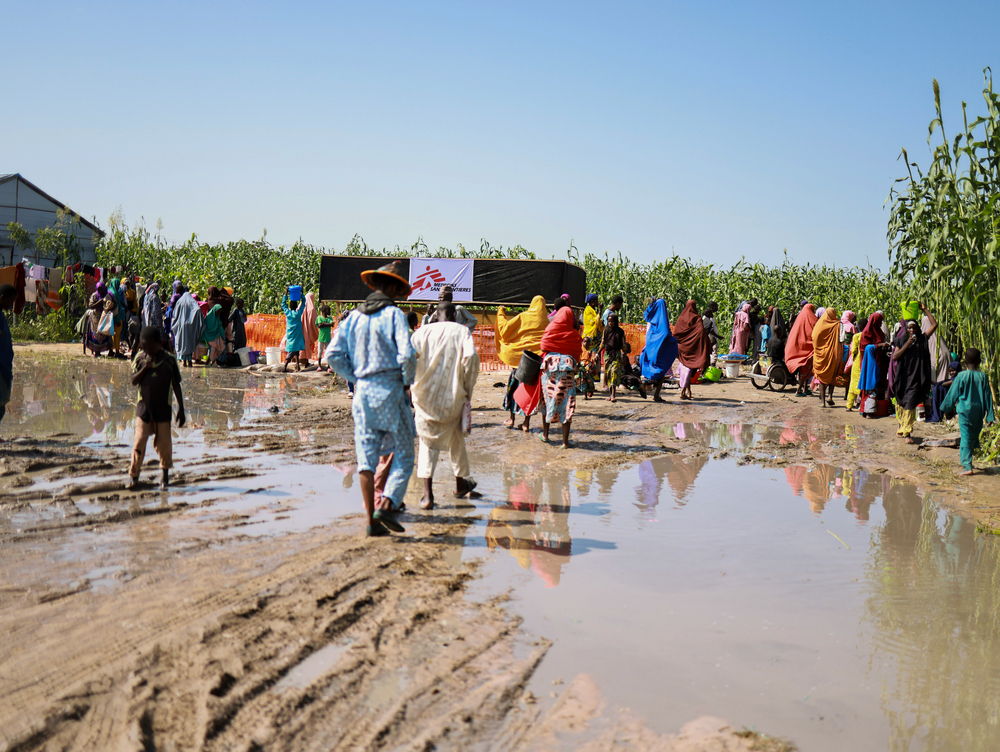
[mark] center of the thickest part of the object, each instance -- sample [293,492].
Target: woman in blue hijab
[661,348]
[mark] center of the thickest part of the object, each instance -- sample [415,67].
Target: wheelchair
[773,376]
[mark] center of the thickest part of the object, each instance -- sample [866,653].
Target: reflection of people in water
[535,532]
[860,491]
[817,484]
[680,474]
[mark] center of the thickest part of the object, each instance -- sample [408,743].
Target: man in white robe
[447,368]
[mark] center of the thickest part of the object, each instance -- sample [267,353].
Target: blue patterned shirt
[368,345]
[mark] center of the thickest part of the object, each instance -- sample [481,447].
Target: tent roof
[57,202]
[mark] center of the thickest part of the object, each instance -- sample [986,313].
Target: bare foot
[968,472]
[426,503]
[910,440]
[509,423]
[525,427]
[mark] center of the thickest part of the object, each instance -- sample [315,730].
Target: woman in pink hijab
[309,330]
[741,331]
[848,326]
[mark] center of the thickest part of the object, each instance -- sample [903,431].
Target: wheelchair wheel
[758,377]
[778,377]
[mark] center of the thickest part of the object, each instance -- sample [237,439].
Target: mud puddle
[831,606]
[66,439]
[836,606]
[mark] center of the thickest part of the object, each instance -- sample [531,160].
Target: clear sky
[712,130]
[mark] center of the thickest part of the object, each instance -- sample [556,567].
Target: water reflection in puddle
[831,605]
[95,401]
[835,606]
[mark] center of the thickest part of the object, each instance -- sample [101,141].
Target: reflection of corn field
[934,611]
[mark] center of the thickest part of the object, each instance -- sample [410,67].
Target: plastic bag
[106,325]
[467,417]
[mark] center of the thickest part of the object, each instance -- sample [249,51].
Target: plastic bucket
[732,370]
[273,355]
[244,353]
[529,368]
[295,292]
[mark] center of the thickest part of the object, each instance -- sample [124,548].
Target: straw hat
[391,271]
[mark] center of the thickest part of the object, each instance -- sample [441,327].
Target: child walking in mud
[970,397]
[156,374]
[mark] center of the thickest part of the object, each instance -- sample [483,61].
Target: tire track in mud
[314,641]
[202,673]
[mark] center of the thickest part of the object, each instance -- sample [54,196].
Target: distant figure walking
[157,375]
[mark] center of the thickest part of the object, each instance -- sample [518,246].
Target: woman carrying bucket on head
[294,339]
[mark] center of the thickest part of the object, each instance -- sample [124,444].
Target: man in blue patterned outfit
[372,349]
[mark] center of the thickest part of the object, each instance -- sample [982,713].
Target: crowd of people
[209,330]
[414,384]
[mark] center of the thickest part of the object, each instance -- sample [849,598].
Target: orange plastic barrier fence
[635,335]
[267,330]
[264,330]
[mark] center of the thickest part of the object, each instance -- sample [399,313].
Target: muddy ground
[149,620]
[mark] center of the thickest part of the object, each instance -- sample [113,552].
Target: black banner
[495,281]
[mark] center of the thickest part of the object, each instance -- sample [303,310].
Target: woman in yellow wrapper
[515,335]
[856,358]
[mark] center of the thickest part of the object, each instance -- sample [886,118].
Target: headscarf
[118,293]
[912,381]
[152,308]
[799,346]
[102,290]
[561,335]
[591,318]
[213,329]
[869,377]
[309,330]
[847,320]
[563,301]
[177,286]
[741,330]
[521,332]
[186,326]
[940,355]
[693,348]
[661,348]
[872,334]
[776,319]
[827,350]
[819,312]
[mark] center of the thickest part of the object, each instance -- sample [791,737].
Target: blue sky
[711,130]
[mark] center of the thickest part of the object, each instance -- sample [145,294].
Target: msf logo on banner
[429,275]
[430,280]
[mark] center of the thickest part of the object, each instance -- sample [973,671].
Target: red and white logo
[429,275]
[427,280]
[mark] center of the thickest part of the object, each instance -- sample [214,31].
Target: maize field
[943,231]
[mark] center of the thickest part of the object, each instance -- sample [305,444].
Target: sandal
[375,530]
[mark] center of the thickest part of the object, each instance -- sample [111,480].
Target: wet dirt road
[604,596]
